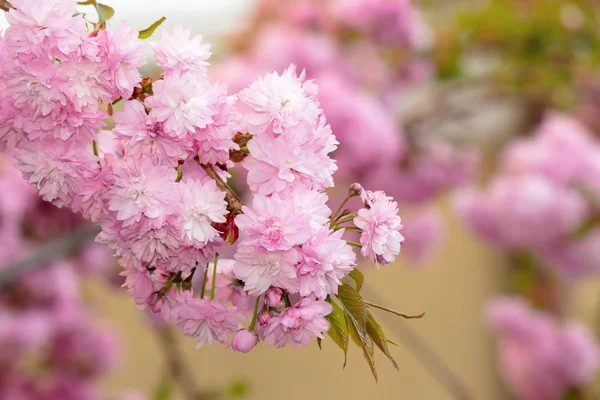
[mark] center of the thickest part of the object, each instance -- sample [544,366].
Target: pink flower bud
[355,190]
[274,297]
[244,341]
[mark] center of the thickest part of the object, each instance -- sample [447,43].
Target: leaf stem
[204,281]
[355,244]
[405,316]
[333,217]
[286,300]
[255,315]
[214,278]
[348,228]
[345,218]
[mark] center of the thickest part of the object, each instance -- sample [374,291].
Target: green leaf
[378,336]
[104,12]
[362,340]
[358,277]
[339,328]
[354,304]
[163,392]
[146,33]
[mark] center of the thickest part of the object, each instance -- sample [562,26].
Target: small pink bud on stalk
[244,341]
[355,190]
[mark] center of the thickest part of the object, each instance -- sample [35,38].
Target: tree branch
[5,5]
[179,372]
[42,255]
[234,202]
[434,364]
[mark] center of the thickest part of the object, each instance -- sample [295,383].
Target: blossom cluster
[544,199]
[157,182]
[365,54]
[541,358]
[52,346]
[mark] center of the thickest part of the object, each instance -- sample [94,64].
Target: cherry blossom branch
[42,255]
[234,202]
[5,5]
[178,370]
[434,364]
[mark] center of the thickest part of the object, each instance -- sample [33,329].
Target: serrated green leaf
[354,304]
[146,33]
[362,340]
[378,336]
[104,12]
[339,328]
[358,278]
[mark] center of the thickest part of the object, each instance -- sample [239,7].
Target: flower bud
[355,190]
[244,341]
[274,297]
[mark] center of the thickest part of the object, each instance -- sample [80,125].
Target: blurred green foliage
[543,46]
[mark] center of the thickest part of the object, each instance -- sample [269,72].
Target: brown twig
[5,5]
[234,202]
[178,370]
[436,366]
[43,255]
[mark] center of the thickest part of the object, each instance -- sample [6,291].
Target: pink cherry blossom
[179,52]
[47,28]
[297,325]
[207,320]
[144,135]
[142,190]
[55,170]
[123,53]
[182,104]
[261,269]
[138,283]
[288,162]
[277,103]
[326,259]
[380,238]
[202,205]
[272,225]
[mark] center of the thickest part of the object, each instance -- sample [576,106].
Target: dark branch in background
[44,254]
[5,5]
[437,367]
[177,368]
